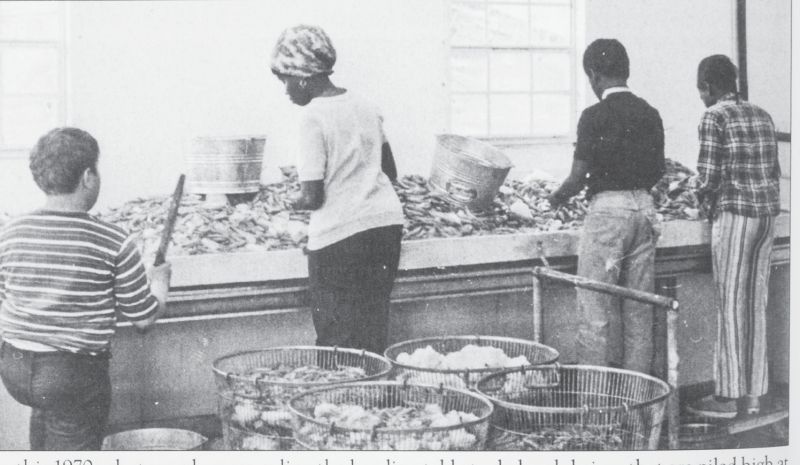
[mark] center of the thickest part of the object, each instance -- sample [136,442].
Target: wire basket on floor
[582,408]
[383,415]
[254,388]
[536,354]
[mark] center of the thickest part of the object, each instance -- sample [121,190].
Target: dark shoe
[748,405]
[713,407]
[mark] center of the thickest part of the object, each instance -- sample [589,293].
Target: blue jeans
[69,394]
[617,246]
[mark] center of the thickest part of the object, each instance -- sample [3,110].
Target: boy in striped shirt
[65,276]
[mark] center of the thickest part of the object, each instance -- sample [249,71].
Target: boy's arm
[710,160]
[311,166]
[387,162]
[312,195]
[658,152]
[580,164]
[572,185]
[138,300]
[159,277]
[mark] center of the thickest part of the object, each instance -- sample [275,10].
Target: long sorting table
[217,285]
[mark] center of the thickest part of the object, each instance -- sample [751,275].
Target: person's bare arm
[572,185]
[387,162]
[312,195]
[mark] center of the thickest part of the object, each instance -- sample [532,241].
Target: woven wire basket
[238,437]
[467,429]
[575,407]
[537,354]
[253,398]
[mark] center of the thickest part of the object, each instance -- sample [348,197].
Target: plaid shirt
[738,167]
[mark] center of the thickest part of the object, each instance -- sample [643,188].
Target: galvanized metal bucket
[468,171]
[702,435]
[151,439]
[225,165]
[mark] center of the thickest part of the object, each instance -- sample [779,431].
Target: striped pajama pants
[741,247]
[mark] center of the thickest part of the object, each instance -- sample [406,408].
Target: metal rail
[668,304]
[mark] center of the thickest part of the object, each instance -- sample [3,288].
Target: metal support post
[538,315]
[670,305]
[668,287]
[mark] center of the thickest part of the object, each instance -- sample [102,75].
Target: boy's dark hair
[718,71]
[608,58]
[60,157]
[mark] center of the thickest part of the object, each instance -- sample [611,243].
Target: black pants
[69,394]
[350,283]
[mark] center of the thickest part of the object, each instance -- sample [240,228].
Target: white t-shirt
[341,138]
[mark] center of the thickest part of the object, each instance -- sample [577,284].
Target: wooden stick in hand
[166,234]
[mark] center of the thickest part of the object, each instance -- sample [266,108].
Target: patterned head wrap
[303,51]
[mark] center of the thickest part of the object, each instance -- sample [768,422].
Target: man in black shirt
[619,156]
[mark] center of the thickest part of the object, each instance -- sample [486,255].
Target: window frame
[60,96]
[575,92]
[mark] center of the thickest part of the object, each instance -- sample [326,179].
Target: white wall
[665,42]
[769,74]
[145,77]
[769,58]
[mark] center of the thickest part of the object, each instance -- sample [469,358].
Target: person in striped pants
[738,182]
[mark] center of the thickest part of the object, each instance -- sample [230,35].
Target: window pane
[468,114]
[510,115]
[23,121]
[551,115]
[469,70]
[29,70]
[30,20]
[551,71]
[510,71]
[468,24]
[508,24]
[550,25]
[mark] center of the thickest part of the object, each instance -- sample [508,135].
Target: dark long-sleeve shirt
[622,140]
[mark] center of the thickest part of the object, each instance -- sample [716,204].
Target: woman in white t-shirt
[345,166]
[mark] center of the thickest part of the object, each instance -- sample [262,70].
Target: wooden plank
[756,421]
[250,267]
[228,268]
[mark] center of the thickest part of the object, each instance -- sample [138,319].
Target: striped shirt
[738,164]
[63,278]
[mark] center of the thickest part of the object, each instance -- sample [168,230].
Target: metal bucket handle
[555,367]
